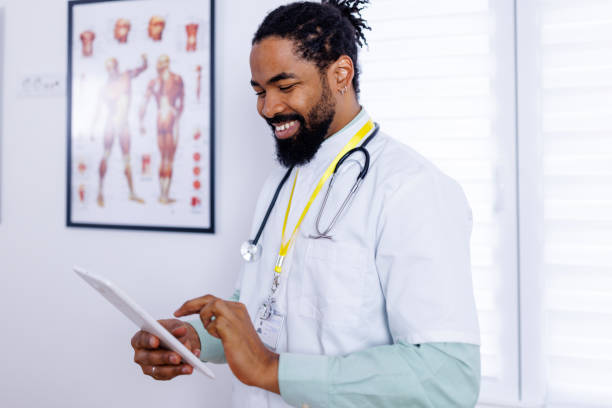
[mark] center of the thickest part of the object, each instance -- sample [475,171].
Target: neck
[344,116]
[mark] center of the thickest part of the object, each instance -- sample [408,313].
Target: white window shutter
[575,105]
[439,76]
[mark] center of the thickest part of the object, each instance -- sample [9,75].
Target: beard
[302,147]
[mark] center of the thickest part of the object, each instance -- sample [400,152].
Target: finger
[212,329]
[207,314]
[179,331]
[194,305]
[186,340]
[165,373]
[144,340]
[221,313]
[189,344]
[156,358]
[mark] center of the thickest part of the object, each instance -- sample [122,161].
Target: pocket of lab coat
[333,282]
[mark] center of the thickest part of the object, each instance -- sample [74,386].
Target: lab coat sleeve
[423,259]
[212,349]
[398,375]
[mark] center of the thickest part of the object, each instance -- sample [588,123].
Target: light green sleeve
[398,375]
[212,349]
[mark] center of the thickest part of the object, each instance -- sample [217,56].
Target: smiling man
[375,311]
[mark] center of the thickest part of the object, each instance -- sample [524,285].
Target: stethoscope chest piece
[250,252]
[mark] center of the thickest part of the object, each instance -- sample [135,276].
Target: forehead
[274,55]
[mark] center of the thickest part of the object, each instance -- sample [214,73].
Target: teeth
[285,126]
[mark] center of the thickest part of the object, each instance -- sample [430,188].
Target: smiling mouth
[286,130]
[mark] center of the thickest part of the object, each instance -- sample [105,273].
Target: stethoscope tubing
[271,206]
[360,177]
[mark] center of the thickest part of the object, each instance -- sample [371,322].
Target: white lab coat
[398,266]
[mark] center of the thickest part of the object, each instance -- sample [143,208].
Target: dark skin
[285,84]
[149,353]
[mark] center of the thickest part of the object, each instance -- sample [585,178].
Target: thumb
[179,331]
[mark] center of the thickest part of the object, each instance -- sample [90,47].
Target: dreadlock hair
[322,32]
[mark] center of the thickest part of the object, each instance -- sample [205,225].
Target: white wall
[61,345]
[2,35]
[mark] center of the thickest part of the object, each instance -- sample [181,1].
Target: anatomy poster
[140,109]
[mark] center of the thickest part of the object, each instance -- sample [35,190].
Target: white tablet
[141,318]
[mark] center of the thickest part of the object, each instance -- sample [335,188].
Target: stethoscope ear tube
[354,188]
[366,163]
[271,206]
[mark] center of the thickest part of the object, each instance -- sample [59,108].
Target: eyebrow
[276,78]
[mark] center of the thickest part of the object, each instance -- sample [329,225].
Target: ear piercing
[343,90]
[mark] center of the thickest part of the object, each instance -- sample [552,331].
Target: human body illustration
[192,32]
[168,90]
[122,29]
[116,95]
[87,39]
[156,28]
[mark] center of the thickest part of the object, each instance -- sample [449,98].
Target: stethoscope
[251,249]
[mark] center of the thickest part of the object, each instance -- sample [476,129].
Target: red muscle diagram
[122,29]
[192,32]
[87,39]
[156,28]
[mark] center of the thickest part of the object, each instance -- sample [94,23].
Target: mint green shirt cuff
[398,375]
[304,378]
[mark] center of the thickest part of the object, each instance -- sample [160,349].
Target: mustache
[285,118]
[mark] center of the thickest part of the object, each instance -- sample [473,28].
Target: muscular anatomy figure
[122,29]
[156,28]
[87,39]
[192,32]
[116,95]
[169,94]
[199,82]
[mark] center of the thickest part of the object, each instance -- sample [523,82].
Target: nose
[271,105]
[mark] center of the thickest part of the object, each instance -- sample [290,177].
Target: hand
[248,358]
[159,362]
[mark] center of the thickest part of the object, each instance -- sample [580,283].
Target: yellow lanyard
[285,245]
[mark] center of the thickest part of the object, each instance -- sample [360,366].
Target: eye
[286,88]
[260,93]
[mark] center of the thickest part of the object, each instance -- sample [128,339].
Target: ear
[342,72]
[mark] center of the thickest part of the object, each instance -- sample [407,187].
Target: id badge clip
[269,325]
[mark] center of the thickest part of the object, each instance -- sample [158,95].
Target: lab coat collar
[332,145]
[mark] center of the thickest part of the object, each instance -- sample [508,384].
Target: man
[169,94]
[380,315]
[117,96]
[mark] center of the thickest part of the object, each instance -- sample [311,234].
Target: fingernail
[197,352]
[152,341]
[174,359]
[186,370]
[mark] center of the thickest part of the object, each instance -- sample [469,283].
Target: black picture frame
[164,221]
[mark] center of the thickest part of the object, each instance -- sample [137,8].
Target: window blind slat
[431,76]
[576,178]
